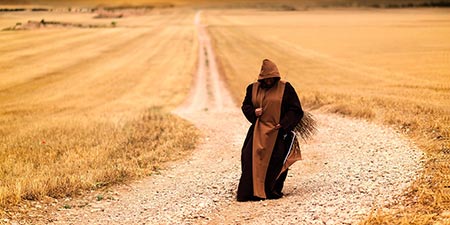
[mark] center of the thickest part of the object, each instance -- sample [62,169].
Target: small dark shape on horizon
[40,9]
[12,9]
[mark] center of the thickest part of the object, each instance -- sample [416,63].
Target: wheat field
[83,108]
[387,66]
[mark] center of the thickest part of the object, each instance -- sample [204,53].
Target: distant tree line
[297,5]
[411,5]
[385,3]
[39,9]
[294,5]
[23,9]
[12,10]
[135,7]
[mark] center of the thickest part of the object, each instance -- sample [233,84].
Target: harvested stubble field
[80,108]
[83,108]
[388,66]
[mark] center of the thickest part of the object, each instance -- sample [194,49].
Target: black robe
[290,115]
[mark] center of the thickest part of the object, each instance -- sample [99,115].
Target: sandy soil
[350,167]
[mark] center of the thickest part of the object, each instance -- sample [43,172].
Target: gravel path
[349,167]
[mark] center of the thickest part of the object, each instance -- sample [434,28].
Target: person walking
[273,108]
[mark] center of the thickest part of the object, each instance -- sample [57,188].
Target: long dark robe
[290,115]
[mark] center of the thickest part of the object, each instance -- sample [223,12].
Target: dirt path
[350,167]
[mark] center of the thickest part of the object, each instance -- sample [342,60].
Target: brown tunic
[265,134]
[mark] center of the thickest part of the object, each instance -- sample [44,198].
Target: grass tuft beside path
[63,156]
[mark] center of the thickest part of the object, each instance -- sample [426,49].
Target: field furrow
[23,40]
[29,50]
[39,66]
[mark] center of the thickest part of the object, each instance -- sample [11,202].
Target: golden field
[83,108]
[388,66]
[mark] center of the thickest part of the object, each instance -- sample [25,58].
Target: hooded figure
[273,109]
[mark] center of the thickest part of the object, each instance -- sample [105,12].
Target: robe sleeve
[293,109]
[247,105]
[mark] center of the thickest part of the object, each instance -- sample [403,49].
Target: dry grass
[86,108]
[62,156]
[388,66]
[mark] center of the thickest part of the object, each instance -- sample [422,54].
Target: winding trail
[209,92]
[350,167]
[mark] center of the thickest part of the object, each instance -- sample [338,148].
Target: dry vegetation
[82,108]
[389,66]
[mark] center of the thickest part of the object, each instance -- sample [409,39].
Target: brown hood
[268,70]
